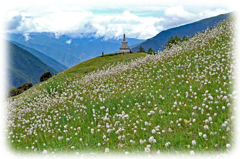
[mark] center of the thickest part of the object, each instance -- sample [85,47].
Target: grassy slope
[91,65]
[98,63]
[132,106]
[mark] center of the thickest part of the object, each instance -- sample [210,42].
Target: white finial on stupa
[124,48]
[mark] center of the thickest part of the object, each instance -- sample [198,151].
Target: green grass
[98,63]
[166,100]
[90,65]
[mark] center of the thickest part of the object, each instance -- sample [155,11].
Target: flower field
[179,101]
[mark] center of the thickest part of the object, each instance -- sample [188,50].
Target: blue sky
[135,12]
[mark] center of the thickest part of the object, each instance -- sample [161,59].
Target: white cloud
[178,12]
[14,22]
[69,41]
[177,15]
[112,26]
[210,13]
[76,21]
[27,37]
[79,22]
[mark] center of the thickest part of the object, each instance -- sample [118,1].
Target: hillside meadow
[85,68]
[180,101]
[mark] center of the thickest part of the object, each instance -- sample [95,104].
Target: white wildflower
[141,141]
[153,131]
[206,127]
[192,152]
[106,150]
[193,142]
[228,145]
[147,149]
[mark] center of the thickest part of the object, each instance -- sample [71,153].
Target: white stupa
[124,48]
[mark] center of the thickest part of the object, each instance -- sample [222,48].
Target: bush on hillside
[25,86]
[19,91]
[45,76]
[20,87]
[174,40]
[150,51]
[142,49]
[12,92]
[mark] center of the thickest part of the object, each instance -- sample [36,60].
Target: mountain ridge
[72,52]
[158,41]
[44,58]
[23,66]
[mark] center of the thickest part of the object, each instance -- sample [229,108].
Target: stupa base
[123,51]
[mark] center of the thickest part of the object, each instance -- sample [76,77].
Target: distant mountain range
[24,67]
[159,41]
[66,50]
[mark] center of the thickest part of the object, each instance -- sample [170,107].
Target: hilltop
[180,101]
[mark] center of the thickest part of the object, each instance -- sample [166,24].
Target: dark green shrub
[19,91]
[45,76]
[12,92]
[150,51]
[20,87]
[142,49]
[26,86]
[174,40]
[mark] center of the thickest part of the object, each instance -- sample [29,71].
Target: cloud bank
[80,22]
[14,22]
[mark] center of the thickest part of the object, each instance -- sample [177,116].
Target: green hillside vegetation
[24,67]
[180,101]
[13,91]
[98,63]
[87,67]
[175,40]
[46,59]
